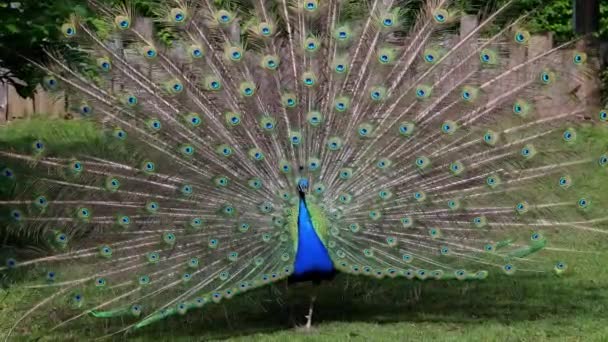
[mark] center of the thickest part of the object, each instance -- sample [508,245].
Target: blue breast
[312,256]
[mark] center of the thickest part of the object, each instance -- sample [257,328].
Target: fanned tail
[425,155]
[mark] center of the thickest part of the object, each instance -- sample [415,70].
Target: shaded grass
[540,307]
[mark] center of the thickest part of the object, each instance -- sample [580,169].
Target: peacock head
[302,186]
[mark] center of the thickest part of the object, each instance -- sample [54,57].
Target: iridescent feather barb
[274,140]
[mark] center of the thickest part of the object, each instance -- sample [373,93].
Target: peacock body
[267,140]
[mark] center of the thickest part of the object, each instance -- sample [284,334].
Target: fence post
[18,107]
[3,102]
[538,44]
[468,23]
[589,90]
[51,104]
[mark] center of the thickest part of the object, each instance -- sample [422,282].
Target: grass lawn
[571,307]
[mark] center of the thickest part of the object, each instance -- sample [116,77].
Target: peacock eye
[311,5]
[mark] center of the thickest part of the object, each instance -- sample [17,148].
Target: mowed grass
[523,307]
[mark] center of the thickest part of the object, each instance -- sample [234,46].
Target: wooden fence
[12,106]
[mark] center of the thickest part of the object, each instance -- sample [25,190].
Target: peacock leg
[309,316]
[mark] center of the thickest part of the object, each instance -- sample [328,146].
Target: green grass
[59,134]
[571,308]
[545,307]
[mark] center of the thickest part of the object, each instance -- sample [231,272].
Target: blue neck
[312,259]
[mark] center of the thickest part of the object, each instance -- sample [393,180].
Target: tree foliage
[25,27]
[29,26]
[544,15]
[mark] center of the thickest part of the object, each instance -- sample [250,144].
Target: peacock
[268,141]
